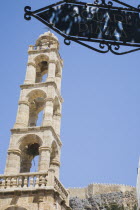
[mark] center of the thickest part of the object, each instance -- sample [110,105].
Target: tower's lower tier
[32,191]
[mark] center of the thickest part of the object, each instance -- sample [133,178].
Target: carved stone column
[22,115]
[55,165]
[13,162]
[48,112]
[38,77]
[51,69]
[33,118]
[57,123]
[51,174]
[44,159]
[25,164]
[58,82]
[30,74]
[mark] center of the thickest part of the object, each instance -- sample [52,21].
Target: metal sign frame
[105,46]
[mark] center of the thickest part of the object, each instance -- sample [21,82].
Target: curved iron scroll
[28,13]
[103,2]
[107,47]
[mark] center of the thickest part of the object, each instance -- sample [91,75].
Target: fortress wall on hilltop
[96,189]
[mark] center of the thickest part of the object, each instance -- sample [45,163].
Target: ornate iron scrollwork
[28,13]
[105,45]
[115,50]
[67,41]
[103,2]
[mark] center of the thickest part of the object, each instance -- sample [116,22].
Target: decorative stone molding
[15,151]
[51,170]
[51,79]
[53,61]
[44,148]
[31,64]
[49,99]
[36,51]
[24,102]
[23,180]
[58,114]
[59,75]
[33,181]
[29,130]
[55,162]
[43,84]
[60,188]
[41,57]
[47,36]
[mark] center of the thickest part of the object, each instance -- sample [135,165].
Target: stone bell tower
[41,92]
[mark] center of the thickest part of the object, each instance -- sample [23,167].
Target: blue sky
[101,111]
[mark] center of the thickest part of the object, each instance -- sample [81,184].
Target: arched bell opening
[36,106]
[29,151]
[28,158]
[36,112]
[41,68]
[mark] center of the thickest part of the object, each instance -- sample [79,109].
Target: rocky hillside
[109,201]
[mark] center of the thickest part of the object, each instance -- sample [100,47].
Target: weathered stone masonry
[19,188]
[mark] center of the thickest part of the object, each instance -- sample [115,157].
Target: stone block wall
[103,196]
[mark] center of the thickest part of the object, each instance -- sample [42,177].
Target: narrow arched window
[29,153]
[36,107]
[36,112]
[42,72]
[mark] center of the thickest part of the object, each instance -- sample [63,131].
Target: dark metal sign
[99,22]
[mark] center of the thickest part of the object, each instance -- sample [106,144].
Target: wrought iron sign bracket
[103,2]
[66,16]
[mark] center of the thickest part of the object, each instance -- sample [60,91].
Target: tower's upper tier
[47,38]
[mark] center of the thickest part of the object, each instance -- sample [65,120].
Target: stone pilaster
[48,112]
[13,162]
[33,119]
[51,69]
[58,82]
[44,159]
[30,74]
[22,115]
[57,123]
[55,165]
